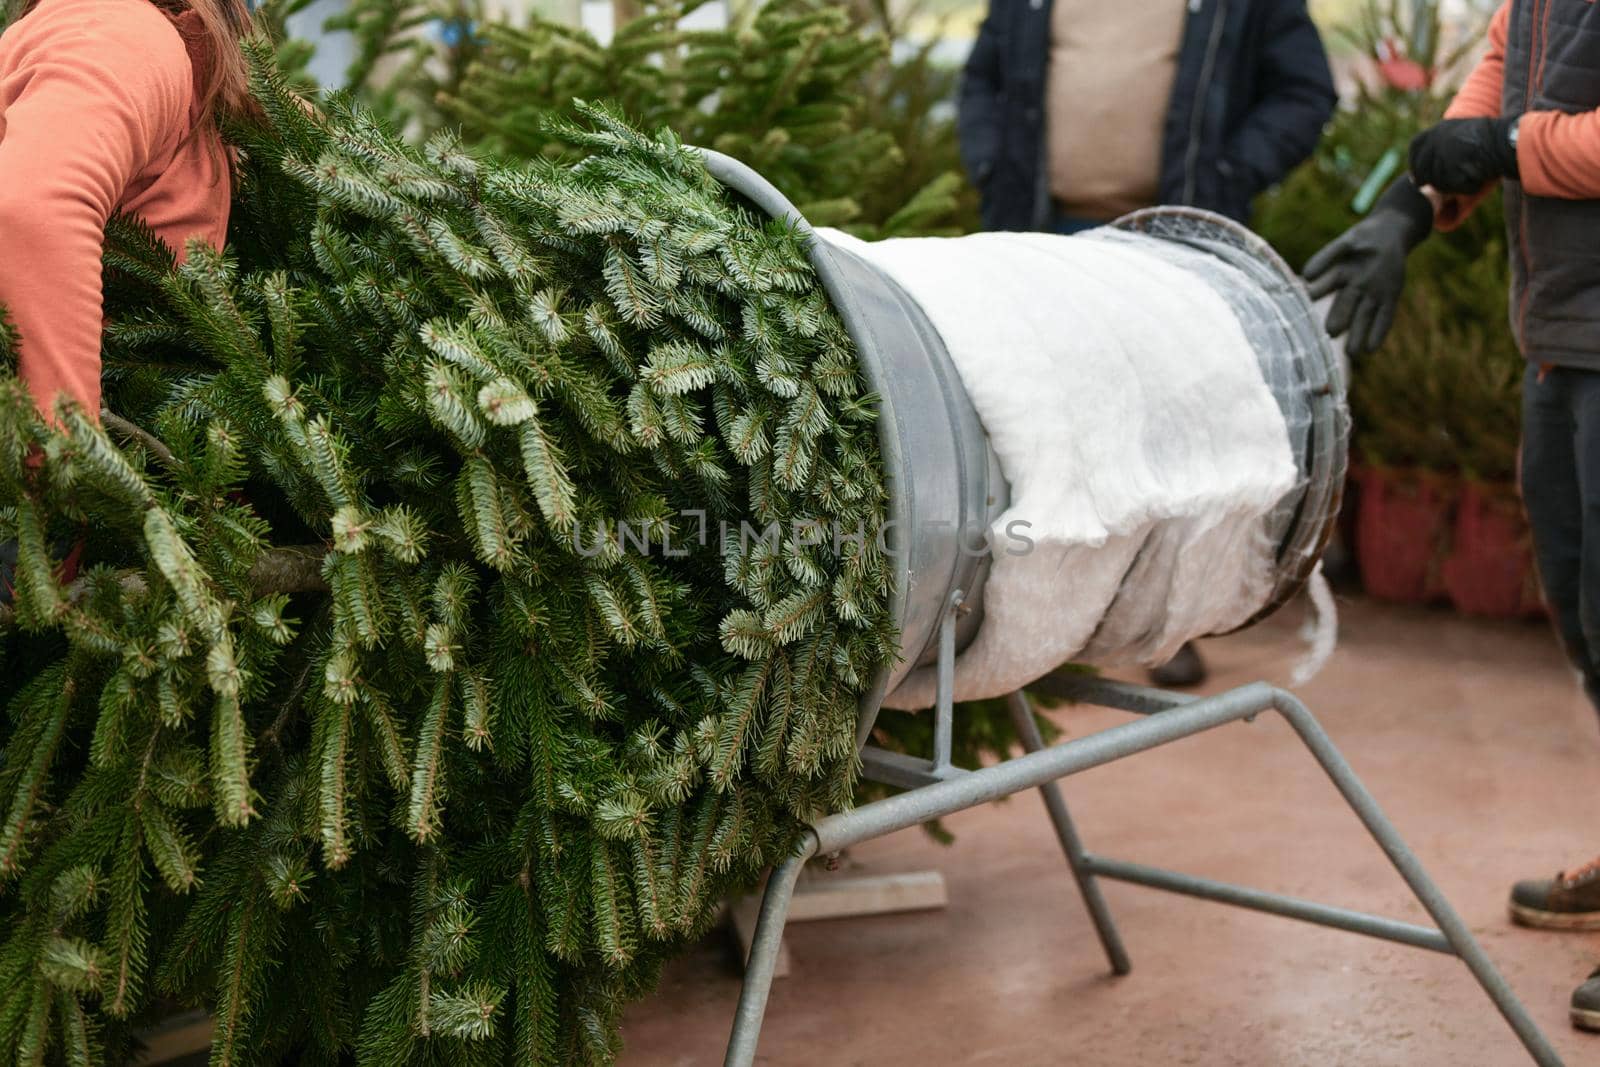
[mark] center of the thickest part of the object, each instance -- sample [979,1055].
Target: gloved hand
[1366,266]
[1464,155]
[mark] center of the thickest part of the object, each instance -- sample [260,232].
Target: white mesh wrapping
[1138,394]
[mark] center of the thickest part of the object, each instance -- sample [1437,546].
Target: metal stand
[935,789]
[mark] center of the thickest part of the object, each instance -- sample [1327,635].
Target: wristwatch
[1511,134]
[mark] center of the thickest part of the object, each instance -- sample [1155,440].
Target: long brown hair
[225,87]
[222,77]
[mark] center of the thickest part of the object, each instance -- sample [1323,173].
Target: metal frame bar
[938,791]
[1077,860]
[945,699]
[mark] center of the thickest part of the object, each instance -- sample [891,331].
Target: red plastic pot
[1490,570]
[1401,531]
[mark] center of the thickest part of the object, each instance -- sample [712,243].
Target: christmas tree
[481,575]
[802,91]
[409,54]
[830,102]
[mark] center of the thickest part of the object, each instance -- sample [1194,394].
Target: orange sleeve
[1478,98]
[1559,154]
[89,95]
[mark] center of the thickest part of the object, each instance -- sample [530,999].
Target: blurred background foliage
[841,106]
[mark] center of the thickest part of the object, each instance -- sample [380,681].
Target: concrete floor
[1472,736]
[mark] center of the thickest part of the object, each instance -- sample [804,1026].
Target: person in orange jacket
[106,106]
[1528,118]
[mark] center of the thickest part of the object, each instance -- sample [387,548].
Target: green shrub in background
[912,96]
[1444,392]
[408,53]
[779,89]
[834,105]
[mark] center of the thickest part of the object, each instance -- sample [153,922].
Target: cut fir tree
[463,615]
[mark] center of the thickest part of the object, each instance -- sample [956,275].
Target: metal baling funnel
[945,482]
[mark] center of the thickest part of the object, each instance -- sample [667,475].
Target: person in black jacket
[1215,99]
[1074,112]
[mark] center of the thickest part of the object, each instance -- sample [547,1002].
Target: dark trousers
[1561,490]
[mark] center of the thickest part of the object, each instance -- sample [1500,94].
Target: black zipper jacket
[1252,94]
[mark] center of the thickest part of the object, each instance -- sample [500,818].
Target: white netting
[1155,415]
[1304,369]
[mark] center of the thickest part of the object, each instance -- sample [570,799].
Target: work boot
[1569,901]
[1182,670]
[1586,1004]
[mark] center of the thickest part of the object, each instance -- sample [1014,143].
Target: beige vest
[1112,65]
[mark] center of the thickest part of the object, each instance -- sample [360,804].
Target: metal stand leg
[1388,838]
[1032,741]
[763,961]
[939,792]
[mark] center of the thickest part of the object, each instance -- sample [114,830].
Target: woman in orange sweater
[106,106]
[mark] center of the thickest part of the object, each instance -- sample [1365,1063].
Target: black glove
[1366,266]
[1464,155]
